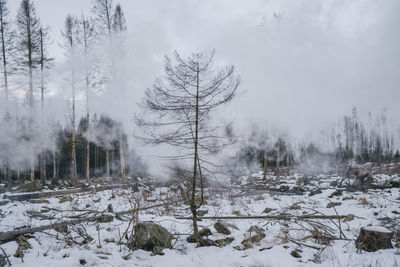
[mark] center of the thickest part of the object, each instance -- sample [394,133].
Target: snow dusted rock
[374,238]
[222,228]
[149,235]
[203,232]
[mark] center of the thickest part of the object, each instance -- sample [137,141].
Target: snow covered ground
[289,242]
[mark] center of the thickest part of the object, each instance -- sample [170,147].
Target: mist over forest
[180,99]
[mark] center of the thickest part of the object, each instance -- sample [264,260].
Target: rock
[295,253]
[224,241]
[61,229]
[374,238]
[267,210]
[333,204]
[65,199]
[82,261]
[191,239]
[297,190]
[149,235]
[4,202]
[205,232]
[284,188]
[253,236]
[23,245]
[110,208]
[336,194]
[205,242]
[221,228]
[315,192]
[202,212]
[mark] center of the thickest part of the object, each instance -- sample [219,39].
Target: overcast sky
[303,63]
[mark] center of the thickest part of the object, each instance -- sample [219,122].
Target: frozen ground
[374,207]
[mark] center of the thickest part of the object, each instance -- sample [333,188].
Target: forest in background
[37,145]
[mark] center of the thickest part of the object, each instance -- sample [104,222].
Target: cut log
[374,238]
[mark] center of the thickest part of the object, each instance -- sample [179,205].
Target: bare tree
[6,42]
[87,40]
[44,62]
[182,105]
[119,29]
[103,9]
[70,34]
[28,52]
[111,22]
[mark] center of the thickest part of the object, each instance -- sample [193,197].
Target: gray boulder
[149,235]
[221,228]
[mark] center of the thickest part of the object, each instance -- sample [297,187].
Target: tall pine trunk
[32,164]
[107,163]
[122,157]
[73,141]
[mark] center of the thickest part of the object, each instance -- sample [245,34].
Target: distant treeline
[104,143]
[349,141]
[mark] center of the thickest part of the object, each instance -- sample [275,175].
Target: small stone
[295,254]
[191,239]
[202,212]
[82,261]
[205,232]
[267,210]
[221,228]
[336,194]
[61,229]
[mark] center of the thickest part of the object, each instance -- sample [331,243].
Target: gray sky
[303,63]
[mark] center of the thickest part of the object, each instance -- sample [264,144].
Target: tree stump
[374,238]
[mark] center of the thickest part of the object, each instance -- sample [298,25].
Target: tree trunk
[4,58]
[265,166]
[122,157]
[32,171]
[278,156]
[42,153]
[107,163]
[193,206]
[374,238]
[73,167]
[54,165]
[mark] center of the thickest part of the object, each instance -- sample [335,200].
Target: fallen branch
[6,256]
[270,217]
[8,236]
[28,196]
